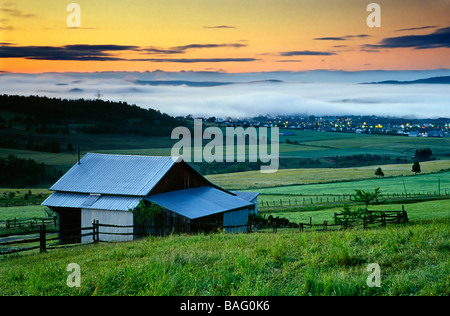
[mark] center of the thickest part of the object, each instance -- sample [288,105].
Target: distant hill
[432,80]
[45,114]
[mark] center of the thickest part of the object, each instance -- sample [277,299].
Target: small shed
[107,187]
[251,197]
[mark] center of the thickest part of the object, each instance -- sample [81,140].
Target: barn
[106,188]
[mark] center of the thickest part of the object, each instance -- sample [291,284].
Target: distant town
[439,127]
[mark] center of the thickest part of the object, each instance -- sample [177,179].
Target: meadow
[413,260]
[289,177]
[424,184]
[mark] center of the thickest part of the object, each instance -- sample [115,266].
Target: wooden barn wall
[236,218]
[122,218]
[180,176]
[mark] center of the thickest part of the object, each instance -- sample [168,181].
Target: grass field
[428,210]
[412,184]
[286,177]
[413,260]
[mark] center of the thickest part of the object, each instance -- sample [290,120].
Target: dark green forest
[54,115]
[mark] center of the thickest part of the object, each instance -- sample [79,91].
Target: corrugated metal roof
[248,196]
[198,202]
[115,174]
[103,202]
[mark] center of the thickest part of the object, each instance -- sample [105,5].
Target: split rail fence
[44,240]
[339,198]
[341,221]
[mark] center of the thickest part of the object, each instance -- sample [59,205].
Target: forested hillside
[52,115]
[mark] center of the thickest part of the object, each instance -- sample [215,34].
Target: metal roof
[198,202]
[248,196]
[115,174]
[89,201]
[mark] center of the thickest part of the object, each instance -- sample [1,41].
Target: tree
[145,214]
[367,197]
[379,172]
[423,154]
[416,167]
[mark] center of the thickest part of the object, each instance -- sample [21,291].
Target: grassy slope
[413,184]
[414,260]
[285,177]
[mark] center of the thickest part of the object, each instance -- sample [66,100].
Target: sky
[283,56]
[223,35]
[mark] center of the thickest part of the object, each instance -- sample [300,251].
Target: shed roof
[115,174]
[88,201]
[198,202]
[248,196]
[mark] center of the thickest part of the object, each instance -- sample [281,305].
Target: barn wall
[255,203]
[236,218]
[180,176]
[123,218]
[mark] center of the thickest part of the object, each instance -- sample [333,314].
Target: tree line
[17,172]
[54,115]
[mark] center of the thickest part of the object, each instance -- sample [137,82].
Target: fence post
[42,245]
[95,231]
[405,215]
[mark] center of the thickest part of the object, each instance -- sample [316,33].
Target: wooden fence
[341,221]
[30,223]
[44,240]
[41,240]
[299,200]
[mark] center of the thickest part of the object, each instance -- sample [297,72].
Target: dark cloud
[161,51]
[195,60]
[183,48]
[439,38]
[341,38]
[290,61]
[16,13]
[67,52]
[197,46]
[417,28]
[85,52]
[306,53]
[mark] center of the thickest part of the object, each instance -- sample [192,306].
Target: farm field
[286,177]
[424,184]
[428,210]
[413,260]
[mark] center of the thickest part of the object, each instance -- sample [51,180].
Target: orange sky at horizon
[217,35]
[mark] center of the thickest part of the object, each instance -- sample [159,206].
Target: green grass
[413,259]
[429,210]
[285,177]
[21,212]
[414,184]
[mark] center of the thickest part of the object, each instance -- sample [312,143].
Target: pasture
[424,184]
[288,177]
[413,260]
